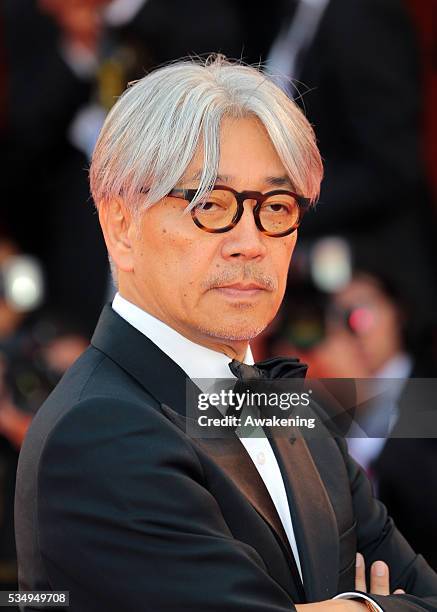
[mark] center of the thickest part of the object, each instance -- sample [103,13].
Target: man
[115,502]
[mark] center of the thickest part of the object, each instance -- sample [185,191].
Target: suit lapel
[313,517]
[231,456]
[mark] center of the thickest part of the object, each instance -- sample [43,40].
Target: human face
[219,290]
[378,330]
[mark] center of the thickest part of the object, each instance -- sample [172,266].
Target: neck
[234,350]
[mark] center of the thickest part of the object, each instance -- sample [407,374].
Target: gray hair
[153,131]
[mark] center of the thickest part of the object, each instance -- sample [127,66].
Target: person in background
[367,330]
[356,71]
[36,347]
[382,326]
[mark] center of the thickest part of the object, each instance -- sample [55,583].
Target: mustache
[248,274]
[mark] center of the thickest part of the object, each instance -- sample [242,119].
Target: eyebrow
[278,181]
[273,181]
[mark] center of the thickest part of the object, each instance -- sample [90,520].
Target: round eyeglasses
[277,213]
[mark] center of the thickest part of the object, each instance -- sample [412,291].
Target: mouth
[241,290]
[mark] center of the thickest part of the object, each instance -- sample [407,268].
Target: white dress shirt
[396,370]
[200,362]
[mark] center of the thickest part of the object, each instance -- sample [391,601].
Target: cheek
[282,256]
[181,263]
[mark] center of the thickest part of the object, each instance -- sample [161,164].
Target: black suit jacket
[407,484]
[118,505]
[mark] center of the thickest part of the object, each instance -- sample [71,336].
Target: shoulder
[102,430]
[102,448]
[93,380]
[96,410]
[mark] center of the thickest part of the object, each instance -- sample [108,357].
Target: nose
[244,241]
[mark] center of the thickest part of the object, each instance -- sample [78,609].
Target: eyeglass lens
[277,214]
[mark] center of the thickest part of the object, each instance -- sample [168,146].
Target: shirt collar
[197,361]
[399,366]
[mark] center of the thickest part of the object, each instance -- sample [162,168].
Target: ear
[117,224]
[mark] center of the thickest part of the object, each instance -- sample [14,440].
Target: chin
[235,331]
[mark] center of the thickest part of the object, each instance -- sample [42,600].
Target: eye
[210,206]
[276,207]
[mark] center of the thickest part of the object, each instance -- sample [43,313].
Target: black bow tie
[276,367]
[249,377]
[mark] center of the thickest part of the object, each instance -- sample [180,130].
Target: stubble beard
[235,331]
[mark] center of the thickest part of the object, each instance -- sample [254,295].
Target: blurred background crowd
[362,292]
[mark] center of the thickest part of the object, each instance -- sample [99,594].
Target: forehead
[246,154]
